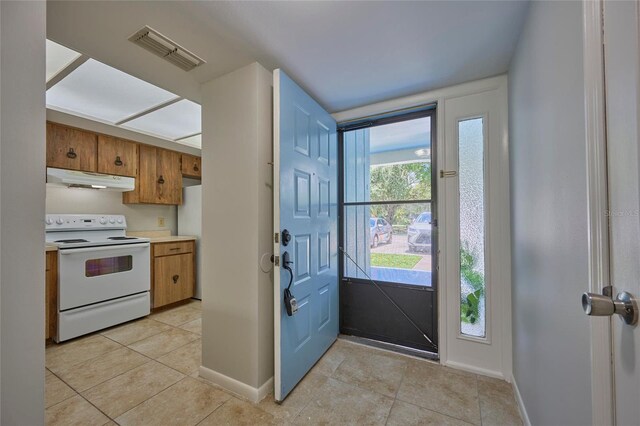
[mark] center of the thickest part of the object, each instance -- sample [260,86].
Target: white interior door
[622,59]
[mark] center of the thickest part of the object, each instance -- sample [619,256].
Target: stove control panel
[85,221]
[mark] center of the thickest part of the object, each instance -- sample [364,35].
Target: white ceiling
[346,54]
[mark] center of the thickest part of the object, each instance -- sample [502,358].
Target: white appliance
[190,223]
[104,277]
[78,179]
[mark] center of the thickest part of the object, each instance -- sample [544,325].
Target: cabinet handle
[118,161]
[175,279]
[161,180]
[195,168]
[71,153]
[175,248]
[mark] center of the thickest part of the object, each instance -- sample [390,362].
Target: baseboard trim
[475,370]
[265,389]
[237,387]
[523,410]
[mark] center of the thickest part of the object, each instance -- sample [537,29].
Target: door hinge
[276,238]
[276,260]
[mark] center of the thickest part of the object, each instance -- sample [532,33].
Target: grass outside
[402,261]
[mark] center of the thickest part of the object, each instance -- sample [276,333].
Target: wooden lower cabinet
[173,275]
[51,295]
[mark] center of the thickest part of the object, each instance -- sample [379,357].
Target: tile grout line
[89,359]
[437,411]
[386,422]
[216,409]
[152,396]
[77,394]
[146,337]
[149,359]
[478,396]
[117,375]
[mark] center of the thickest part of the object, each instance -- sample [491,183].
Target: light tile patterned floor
[146,373]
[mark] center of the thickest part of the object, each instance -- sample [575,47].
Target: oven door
[95,274]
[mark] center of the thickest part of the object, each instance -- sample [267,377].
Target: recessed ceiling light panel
[194,141]
[167,49]
[98,91]
[176,121]
[58,58]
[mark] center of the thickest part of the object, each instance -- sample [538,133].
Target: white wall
[237,317]
[140,217]
[22,194]
[551,346]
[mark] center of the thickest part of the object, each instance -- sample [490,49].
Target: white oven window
[108,265]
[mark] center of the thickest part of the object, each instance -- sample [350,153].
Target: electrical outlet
[161,222]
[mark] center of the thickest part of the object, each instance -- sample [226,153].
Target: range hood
[77,179]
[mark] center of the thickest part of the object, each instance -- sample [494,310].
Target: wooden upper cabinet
[117,156]
[69,148]
[169,183]
[191,166]
[159,178]
[147,174]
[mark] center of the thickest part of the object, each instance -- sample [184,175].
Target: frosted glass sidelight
[171,122]
[472,227]
[98,91]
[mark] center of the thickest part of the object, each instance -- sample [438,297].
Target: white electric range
[104,276]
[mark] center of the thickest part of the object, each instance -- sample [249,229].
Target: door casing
[597,201]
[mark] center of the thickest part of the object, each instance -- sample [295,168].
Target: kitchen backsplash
[140,217]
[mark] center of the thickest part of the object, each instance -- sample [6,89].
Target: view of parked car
[419,233]
[381,231]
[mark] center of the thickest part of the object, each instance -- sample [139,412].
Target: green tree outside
[407,181]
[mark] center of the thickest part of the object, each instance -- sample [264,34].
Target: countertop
[162,236]
[172,238]
[159,239]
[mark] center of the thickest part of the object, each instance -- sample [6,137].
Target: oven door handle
[104,248]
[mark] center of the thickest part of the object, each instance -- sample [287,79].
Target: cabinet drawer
[166,249]
[173,279]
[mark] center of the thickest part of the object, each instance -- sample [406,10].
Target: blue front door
[305,191]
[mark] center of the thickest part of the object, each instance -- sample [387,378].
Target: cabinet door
[69,148]
[117,156]
[51,295]
[173,279]
[169,181]
[148,174]
[191,166]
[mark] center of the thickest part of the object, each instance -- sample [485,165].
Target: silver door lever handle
[599,305]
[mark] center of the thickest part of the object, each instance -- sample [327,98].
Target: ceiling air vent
[162,46]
